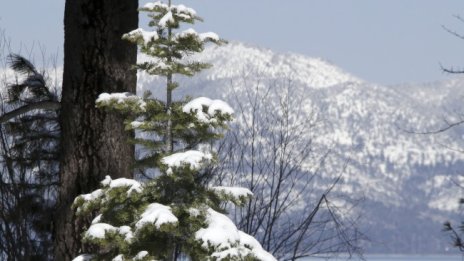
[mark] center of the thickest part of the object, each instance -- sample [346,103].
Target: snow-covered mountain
[406,178]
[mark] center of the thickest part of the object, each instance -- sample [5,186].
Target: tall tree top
[166,47]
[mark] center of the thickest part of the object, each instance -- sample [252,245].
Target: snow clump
[157,214]
[120,98]
[123,182]
[192,158]
[212,107]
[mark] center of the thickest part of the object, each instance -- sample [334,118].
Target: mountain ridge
[371,125]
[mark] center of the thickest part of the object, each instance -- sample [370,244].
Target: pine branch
[43,105]
[21,64]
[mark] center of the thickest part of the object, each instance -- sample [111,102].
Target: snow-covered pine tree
[177,214]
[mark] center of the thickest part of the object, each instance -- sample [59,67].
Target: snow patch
[121,97]
[213,107]
[221,231]
[123,182]
[156,5]
[99,230]
[158,64]
[136,124]
[194,212]
[224,236]
[235,192]
[91,196]
[126,231]
[187,33]
[140,255]
[83,257]
[157,214]
[97,219]
[118,258]
[209,36]
[191,158]
[141,33]
[182,9]
[167,18]
[257,249]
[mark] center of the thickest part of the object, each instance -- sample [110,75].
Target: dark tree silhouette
[29,143]
[94,142]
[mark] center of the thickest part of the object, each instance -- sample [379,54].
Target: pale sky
[382,41]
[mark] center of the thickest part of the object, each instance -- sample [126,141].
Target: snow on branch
[158,215]
[91,196]
[202,37]
[83,257]
[97,219]
[140,35]
[156,6]
[99,230]
[227,241]
[192,159]
[209,36]
[180,11]
[123,100]
[141,255]
[86,201]
[92,201]
[136,124]
[119,257]
[256,248]
[133,185]
[166,20]
[158,66]
[206,109]
[186,33]
[237,195]
[126,231]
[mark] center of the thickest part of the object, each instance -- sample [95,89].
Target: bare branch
[449,126]
[269,153]
[453,32]
[458,35]
[451,70]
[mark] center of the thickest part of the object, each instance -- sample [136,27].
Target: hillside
[405,178]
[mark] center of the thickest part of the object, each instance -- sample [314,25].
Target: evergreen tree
[177,214]
[29,149]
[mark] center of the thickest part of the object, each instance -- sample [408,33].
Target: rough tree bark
[94,142]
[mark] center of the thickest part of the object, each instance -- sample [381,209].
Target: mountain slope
[406,178]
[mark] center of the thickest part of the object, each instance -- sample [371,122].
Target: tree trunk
[94,142]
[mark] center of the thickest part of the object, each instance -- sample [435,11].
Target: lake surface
[396,258]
